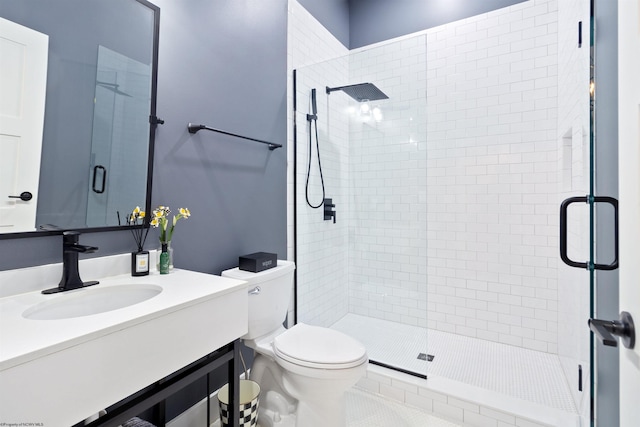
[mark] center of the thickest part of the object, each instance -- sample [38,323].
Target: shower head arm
[333,89]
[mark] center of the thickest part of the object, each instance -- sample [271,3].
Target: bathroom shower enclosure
[444,257]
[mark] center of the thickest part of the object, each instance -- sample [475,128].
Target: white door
[23,82]
[629,185]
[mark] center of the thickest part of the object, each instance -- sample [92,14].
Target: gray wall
[333,15]
[371,21]
[358,23]
[222,63]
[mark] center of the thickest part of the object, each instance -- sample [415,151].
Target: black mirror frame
[153,123]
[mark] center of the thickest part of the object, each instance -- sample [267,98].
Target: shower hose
[306,191]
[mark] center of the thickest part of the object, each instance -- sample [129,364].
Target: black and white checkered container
[249,401]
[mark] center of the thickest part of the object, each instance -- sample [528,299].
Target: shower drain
[425,356]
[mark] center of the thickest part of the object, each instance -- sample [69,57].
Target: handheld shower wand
[314,107]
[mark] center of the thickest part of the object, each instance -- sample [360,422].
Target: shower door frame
[604,139]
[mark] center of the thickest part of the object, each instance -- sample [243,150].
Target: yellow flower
[137,213]
[161,219]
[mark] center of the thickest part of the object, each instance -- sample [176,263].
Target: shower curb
[463,403]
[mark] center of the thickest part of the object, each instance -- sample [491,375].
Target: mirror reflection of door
[23,81]
[116,178]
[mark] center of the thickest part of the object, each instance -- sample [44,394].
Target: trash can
[249,400]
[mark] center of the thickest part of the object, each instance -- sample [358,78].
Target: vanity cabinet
[156,394]
[61,371]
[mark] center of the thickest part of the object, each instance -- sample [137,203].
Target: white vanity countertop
[23,340]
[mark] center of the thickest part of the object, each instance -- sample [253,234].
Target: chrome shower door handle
[255,291]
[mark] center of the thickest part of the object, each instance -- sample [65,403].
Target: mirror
[99,116]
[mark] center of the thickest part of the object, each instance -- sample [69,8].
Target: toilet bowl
[303,371]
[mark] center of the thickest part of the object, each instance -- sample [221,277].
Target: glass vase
[169,251]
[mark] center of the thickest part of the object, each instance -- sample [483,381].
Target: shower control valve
[329,213]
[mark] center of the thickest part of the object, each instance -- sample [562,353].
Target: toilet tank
[269,295]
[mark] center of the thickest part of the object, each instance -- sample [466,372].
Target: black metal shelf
[156,393]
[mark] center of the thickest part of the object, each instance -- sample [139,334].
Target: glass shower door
[365,274]
[578,211]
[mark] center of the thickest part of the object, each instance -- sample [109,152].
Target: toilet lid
[318,347]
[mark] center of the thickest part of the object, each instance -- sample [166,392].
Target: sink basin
[89,301]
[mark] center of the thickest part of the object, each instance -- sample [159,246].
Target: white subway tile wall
[492,176]
[322,287]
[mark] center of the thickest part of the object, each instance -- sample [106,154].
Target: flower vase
[169,251]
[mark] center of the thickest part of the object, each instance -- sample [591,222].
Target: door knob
[606,329]
[25,196]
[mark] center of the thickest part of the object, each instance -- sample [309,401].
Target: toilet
[303,371]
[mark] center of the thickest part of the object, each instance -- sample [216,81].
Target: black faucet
[70,274]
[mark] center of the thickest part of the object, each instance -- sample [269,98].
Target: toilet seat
[319,348]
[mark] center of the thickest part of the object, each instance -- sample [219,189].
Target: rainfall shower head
[361,92]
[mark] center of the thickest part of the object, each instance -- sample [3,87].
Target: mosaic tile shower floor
[525,374]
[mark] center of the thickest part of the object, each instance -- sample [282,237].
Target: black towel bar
[195,128]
